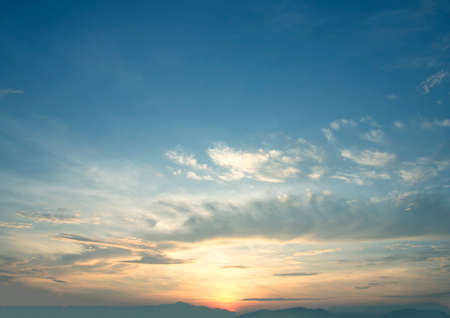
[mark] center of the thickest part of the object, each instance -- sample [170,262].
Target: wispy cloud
[328,135]
[361,176]
[264,165]
[194,176]
[294,274]
[428,295]
[368,157]
[375,135]
[14,225]
[234,267]
[317,252]
[369,285]
[443,123]
[432,81]
[340,123]
[320,217]
[423,168]
[155,259]
[280,299]
[183,159]
[10,91]
[56,218]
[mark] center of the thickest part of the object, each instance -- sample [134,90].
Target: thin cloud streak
[280,299]
[294,274]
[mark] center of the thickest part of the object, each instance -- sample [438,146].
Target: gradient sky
[237,154]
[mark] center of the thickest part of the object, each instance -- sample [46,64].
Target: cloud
[155,259]
[10,91]
[375,175]
[90,252]
[192,175]
[78,238]
[234,267]
[5,278]
[432,81]
[349,177]
[280,299]
[185,160]
[340,123]
[369,285]
[368,157]
[361,177]
[56,218]
[148,254]
[443,123]
[428,295]
[127,243]
[328,135]
[263,165]
[321,218]
[383,282]
[316,172]
[375,135]
[370,121]
[423,168]
[14,225]
[429,124]
[294,274]
[317,252]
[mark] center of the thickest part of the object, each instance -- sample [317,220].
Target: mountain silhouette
[184,310]
[300,312]
[289,313]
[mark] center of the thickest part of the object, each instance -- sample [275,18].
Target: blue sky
[226,142]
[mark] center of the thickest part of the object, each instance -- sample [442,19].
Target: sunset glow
[230,154]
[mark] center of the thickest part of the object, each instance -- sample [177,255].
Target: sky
[234,154]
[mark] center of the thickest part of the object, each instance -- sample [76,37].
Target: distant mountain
[183,310]
[300,312]
[178,310]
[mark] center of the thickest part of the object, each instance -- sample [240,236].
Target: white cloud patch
[375,135]
[422,169]
[316,172]
[328,134]
[430,124]
[262,165]
[368,157]
[340,123]
[370,121]
[185,160]
[361,177]
[192,175]
[375,175]
[265,165]
[443,123]
[432,81]
[349,178]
